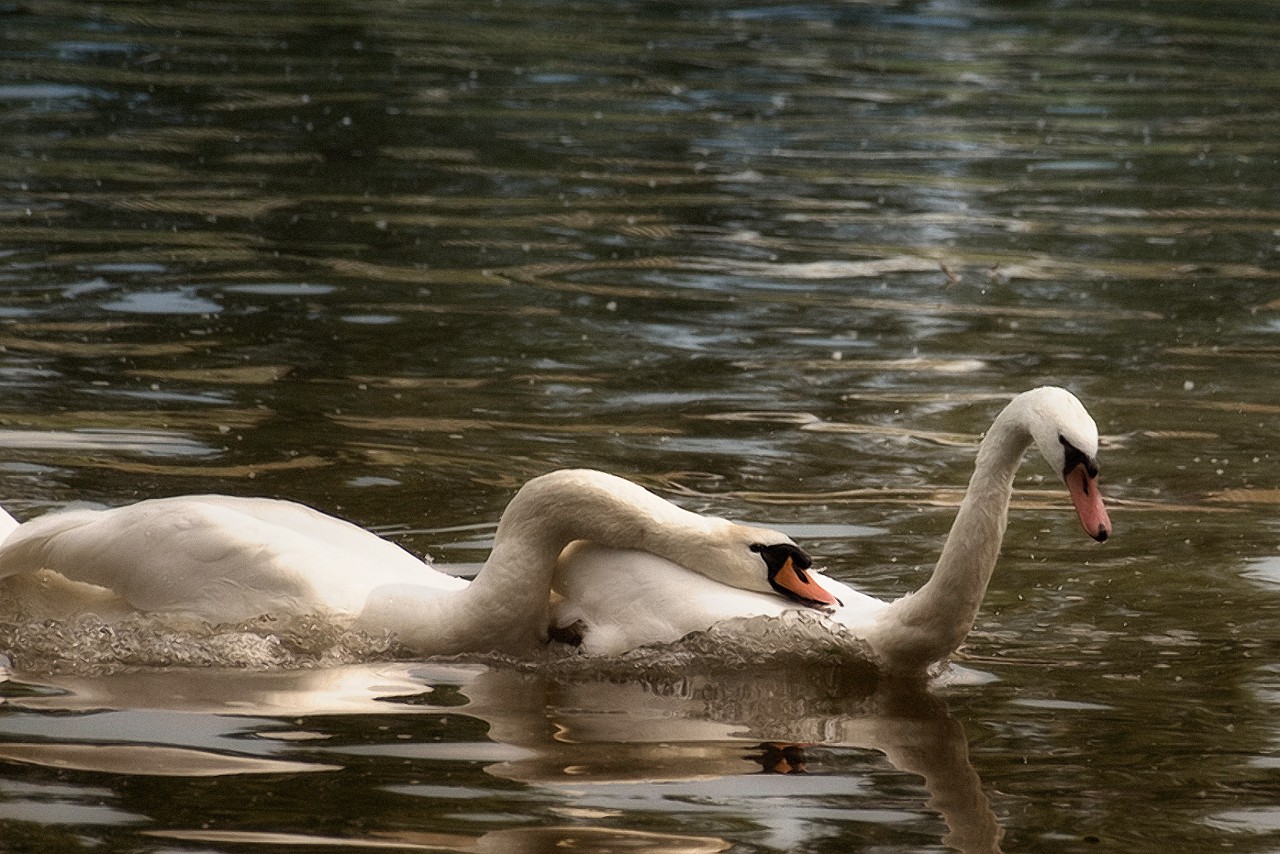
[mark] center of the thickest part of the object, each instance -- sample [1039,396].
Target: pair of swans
[627,568]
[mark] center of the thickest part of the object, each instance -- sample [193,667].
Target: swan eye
[1073,457]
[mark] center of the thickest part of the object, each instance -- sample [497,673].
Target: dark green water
[779,262]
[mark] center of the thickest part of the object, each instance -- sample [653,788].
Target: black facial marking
[1073,456]
[776,557]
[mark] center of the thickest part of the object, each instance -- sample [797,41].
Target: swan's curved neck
[506,606]
[931,623]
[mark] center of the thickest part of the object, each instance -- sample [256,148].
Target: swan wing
[219,558]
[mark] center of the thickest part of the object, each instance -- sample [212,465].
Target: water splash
[89,644]
[796,640]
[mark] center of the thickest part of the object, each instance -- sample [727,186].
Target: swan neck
[548,514]
[931,623]
[969,555]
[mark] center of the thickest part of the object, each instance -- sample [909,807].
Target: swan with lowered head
[225,559]
[620,600]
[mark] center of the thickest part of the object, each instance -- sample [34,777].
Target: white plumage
[225,559]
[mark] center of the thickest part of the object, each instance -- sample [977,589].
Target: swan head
[1067,438]
[787,564]
[765,561]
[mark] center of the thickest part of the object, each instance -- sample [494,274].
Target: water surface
[781,263]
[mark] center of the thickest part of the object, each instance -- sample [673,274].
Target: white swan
[226,559]
[620,600]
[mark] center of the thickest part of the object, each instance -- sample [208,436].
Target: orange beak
[795,582]
[1083,487]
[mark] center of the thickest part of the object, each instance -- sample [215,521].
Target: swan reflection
[595,739]
[516,840]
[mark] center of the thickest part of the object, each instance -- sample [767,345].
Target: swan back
[216,557]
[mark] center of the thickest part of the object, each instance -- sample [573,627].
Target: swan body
[225,559]
[620,601]
[218,558]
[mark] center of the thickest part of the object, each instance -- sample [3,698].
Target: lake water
[779,262]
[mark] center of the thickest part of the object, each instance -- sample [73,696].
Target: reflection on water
[517,840]
[712,743]
[146,759]
[780,262]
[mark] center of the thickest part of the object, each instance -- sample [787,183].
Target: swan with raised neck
[928,625]
[622,600]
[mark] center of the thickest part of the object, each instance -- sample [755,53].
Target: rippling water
[779,262]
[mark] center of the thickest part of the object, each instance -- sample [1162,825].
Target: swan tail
[15,551]
[8,525]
